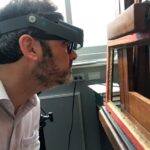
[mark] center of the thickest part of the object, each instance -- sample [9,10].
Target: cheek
[62,62]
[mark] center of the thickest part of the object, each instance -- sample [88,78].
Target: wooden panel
[112,135]
[139,108]
[128,21]
[123,77]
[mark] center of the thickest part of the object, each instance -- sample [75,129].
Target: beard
[48,74]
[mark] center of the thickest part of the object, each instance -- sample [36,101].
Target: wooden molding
[112,135]
[133,130]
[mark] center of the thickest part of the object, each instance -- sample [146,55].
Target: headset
[51,29]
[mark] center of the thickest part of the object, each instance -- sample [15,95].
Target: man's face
[55,69]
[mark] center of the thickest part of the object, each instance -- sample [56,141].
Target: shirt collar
[33,100]
[3,93]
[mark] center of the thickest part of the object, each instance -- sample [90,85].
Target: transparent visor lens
[73,46]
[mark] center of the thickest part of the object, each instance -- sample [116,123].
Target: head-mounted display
[53,29]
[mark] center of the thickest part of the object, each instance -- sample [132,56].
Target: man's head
[50,61]
[9,46]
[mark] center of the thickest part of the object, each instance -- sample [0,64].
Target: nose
[73,55]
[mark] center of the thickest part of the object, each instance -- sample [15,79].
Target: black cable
[72,116]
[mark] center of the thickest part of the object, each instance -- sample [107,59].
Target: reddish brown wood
[130,59]
[130,40]
[128,21]
[123,77]
[139,108]
[134,75]
[124,128]
[142,71]
[107,76]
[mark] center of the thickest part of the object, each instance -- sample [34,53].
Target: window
[4,2]
[61,7]
[89,15]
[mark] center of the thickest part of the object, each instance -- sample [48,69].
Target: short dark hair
[9,46]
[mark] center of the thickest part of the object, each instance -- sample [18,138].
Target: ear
[30,47]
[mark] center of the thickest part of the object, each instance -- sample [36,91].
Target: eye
[70,47]
[67,45]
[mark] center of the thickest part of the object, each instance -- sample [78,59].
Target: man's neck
[18,87]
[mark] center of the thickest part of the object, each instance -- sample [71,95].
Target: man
[35,54]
